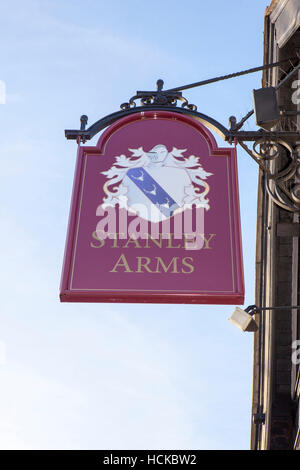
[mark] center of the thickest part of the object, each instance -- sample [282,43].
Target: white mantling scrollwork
[163,179]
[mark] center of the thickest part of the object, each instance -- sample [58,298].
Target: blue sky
[96,376]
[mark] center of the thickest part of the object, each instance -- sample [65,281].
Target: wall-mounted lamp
[243,319]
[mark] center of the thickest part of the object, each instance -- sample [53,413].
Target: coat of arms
[156,184]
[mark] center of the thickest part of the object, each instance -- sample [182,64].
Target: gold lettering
[188,240]
[164,267]
[188,265]
[96,237]
[170,242]
[207,240]
[143,262]
[132,240]
[122,263]
[115,238]
[156,242]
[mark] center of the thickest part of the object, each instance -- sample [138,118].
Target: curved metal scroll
[280,182]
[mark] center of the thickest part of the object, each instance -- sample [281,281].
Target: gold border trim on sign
[150,290]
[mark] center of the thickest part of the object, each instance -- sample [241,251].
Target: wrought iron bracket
[254,309]
[282,179]
[159,97]
[151,100]
[279,159]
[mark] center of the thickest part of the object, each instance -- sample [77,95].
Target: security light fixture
[243,320]
[265,107]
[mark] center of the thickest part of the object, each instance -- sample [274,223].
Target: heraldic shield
[157,184]
[154,216]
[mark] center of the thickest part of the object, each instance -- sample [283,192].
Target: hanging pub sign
[154,216]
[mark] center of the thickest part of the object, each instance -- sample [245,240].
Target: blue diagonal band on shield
[153,191]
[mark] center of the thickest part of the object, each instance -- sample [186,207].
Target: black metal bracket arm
[254,309]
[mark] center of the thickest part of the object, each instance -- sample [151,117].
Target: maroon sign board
[154,216]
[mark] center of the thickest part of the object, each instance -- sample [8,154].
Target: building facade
[276,373]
